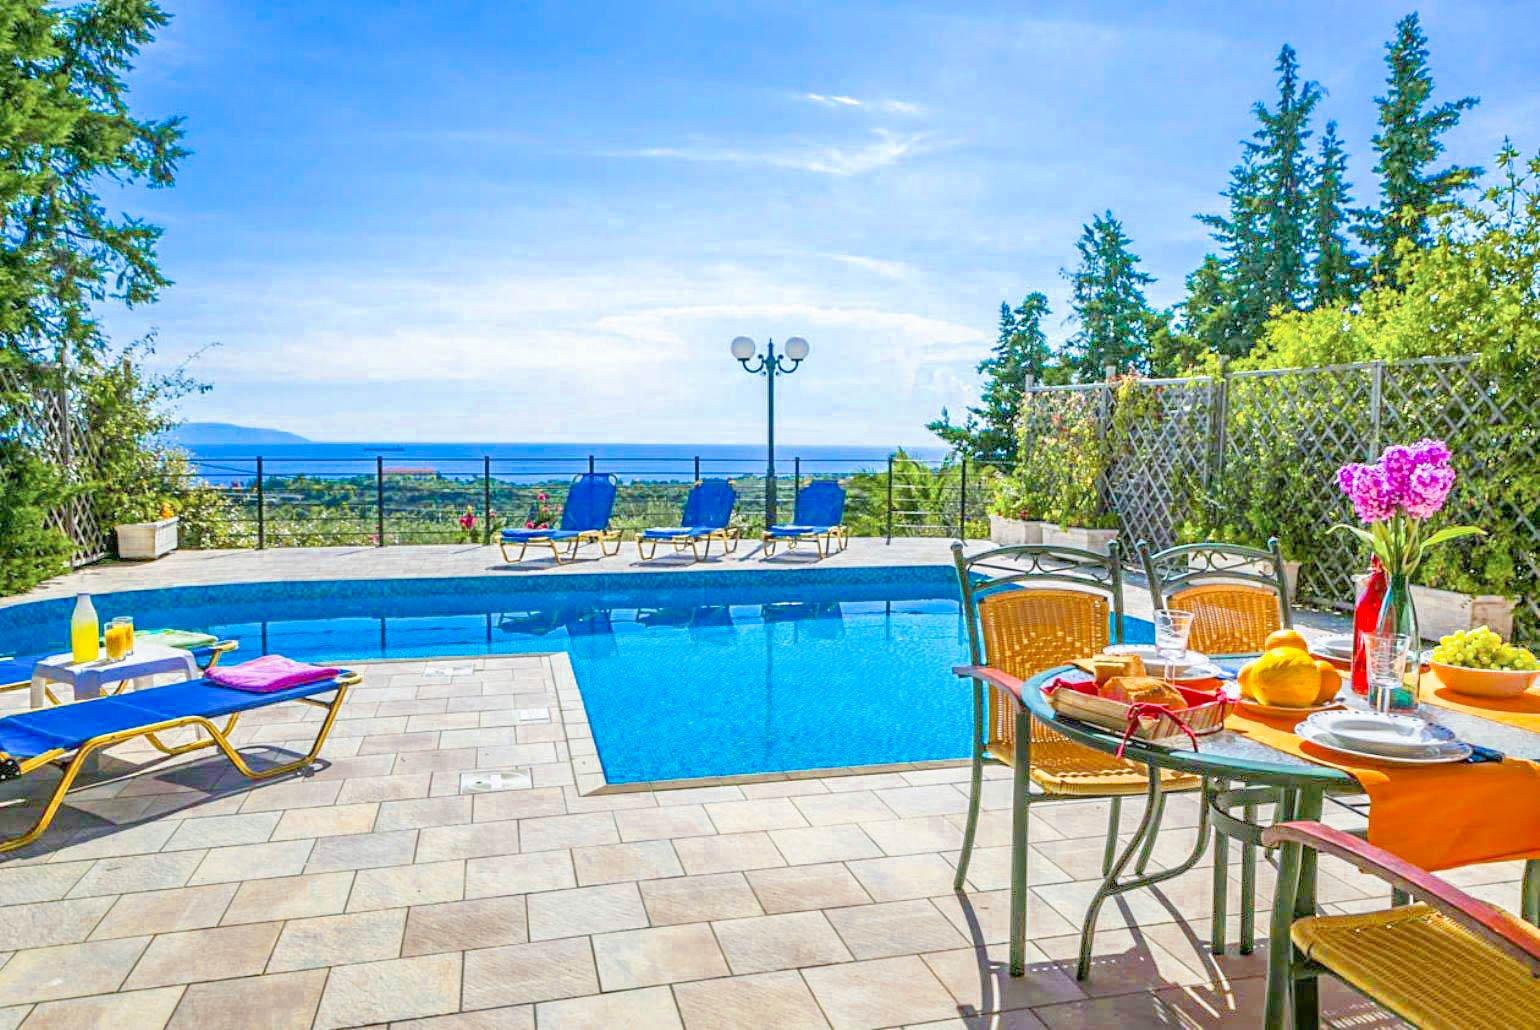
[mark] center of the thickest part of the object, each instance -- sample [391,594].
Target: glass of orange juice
[120,638]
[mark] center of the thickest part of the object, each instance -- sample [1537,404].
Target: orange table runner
[1438,816]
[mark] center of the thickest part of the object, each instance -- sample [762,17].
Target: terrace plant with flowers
[1395,498]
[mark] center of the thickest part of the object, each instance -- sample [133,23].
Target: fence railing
[264,501]
[1255,452]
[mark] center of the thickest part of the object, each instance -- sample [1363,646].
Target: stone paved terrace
[442,869]
[390,886]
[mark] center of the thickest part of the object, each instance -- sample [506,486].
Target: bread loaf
[1107,666]
[1142,690]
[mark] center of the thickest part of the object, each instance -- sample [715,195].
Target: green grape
[1483,648]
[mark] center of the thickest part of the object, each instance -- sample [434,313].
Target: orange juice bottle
[85,631]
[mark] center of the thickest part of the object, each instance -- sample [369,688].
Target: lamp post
[770,365]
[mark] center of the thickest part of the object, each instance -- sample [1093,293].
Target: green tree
[1021,350]
[1283,160]
[1336,263]
[1265,239]
[1408,142]
[1108,305]
[1230,307]
[66,129]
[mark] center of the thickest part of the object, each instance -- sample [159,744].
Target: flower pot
[1008,531]
[1079,536]
[1441,612]
[142,541]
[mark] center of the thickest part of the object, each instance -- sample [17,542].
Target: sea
[236,463]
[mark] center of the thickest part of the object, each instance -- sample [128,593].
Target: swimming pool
[684,675]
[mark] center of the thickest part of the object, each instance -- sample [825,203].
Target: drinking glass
[1172,628]
[1386,655]
[119,638]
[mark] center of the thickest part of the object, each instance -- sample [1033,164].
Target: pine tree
[68,132]
[1021,350]
[1407,143]
[1336,263]
[1264,239]
[1108,303]
[1284,164]
[1226,316]
[1029,340]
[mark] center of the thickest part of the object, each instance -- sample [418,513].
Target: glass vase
[1399,615]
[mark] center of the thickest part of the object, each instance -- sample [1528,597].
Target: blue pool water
[683,674]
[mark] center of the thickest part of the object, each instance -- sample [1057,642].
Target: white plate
[1338,645]
[1443,754]
[1182,668]
[1374,733]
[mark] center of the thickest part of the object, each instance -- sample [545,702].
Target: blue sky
[530,221]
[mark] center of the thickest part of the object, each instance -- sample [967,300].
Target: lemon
[1285,638]
[1286,677]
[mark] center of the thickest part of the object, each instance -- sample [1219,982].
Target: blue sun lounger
[585,518]
[69,735]
[707,512]
[819,517]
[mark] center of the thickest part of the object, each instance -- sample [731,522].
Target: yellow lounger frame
[825,543]
[729,537]
[602,537]
[74,762]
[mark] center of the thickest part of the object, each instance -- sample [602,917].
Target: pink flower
[1398,461]
[1430,452]
[529,523]
[1345,476]
[1368,487]
[1414,480]
[1428,489]
[540,497]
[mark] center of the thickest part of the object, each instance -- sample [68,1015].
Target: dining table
[1253,763]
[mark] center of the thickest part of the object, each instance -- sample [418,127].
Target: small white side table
[88,678]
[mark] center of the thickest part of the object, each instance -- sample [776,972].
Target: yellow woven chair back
[1027,631]
[1228,618]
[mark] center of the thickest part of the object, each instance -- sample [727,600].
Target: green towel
[181,638]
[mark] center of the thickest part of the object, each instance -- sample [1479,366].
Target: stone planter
[1079,536]
[1007,531]
[142,541]
[1441,612]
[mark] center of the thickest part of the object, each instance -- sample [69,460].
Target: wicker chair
[1030,608]
[1447,961]
[1238,595]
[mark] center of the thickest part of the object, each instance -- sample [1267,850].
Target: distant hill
[195,434]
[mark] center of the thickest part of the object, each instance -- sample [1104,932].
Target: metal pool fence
[371,500]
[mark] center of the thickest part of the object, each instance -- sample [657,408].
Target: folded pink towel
[267,674]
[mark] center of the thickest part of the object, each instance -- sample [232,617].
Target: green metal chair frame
[1047,565]
[1213,563]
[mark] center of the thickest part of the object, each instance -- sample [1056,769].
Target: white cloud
[840,100]
[522,352]
[884,149]
[834,100]
[878,266]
